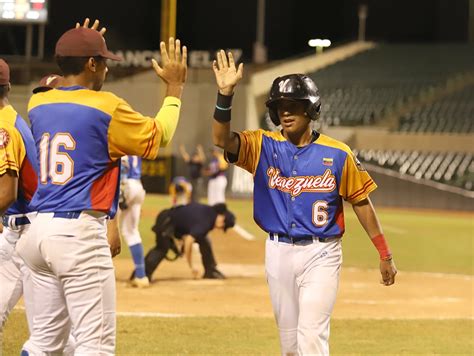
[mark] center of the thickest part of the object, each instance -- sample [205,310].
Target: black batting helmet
[294,87]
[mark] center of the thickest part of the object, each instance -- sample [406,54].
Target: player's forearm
[224,138]
[188,250]
[175,90]
[367,217]
[167,119]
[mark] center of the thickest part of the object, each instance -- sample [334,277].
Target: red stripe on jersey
[150,141]
[103,189]
[361,191]
[28,180]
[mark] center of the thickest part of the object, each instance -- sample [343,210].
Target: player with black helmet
[301,178]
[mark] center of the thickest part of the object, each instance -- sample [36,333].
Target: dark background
[213,24]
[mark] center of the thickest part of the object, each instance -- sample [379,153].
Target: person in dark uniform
[189,223]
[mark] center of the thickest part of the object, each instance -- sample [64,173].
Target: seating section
[452,168]
[453,113]
[360,89]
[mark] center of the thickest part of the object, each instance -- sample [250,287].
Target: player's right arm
[227,77]
[134,134]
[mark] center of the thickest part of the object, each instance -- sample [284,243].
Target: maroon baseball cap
[48,82]
[4,72]
[83,42]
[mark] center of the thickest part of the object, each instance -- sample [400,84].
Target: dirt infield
[245,292]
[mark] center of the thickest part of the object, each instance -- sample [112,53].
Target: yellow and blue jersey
[18,153]
[81,135]
[299,191]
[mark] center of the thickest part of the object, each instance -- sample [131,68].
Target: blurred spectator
[216,171]
[195,164]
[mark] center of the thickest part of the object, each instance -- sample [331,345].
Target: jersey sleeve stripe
[151,141]
[361,191]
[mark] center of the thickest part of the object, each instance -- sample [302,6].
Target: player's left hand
[388,272]
[195,273]
[94,26]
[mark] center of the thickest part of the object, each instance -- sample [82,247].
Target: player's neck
[77,80]
[299,139]
[4,102]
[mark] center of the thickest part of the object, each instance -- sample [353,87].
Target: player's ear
[92,64]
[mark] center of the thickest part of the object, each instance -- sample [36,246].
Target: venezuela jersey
[299,191]
[80,135]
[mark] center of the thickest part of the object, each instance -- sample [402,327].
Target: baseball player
[301,178]
[80,134]
[189,223]
[14,274]
[18,181]
[217,179]
[133,196]
[181,191]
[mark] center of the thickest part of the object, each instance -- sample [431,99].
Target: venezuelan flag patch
[327,161]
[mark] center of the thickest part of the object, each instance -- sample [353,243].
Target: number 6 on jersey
[60,167]
[320,213]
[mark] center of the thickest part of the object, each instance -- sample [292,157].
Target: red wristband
[382,247]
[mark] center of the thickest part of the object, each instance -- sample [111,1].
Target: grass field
[257,336]
[422,241]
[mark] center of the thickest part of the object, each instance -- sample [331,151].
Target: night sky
[213,24]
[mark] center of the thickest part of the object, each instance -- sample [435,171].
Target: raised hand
[94,26]
[173,69]
[227,75]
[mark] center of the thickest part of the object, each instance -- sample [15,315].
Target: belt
[67,214]
[301,240]
[11,221]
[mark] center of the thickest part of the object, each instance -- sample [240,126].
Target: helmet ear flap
[272,111]
[314,110]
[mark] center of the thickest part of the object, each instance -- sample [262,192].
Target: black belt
[67,214]
[10,221]
[301,240]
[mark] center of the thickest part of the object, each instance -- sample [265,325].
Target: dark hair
[74,65]
[3,91]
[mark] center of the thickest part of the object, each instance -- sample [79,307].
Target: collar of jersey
[74,87]
[314,136]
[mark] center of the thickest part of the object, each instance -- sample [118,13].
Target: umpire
[189,223]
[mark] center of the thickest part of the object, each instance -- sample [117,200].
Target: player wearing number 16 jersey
[301,178]
[80,135]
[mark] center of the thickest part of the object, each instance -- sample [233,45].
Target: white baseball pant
[130,217]
[14,277]
[73,283]
[303,282]
[216,190]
